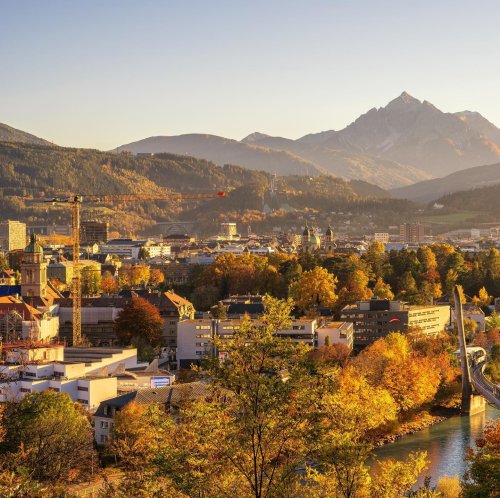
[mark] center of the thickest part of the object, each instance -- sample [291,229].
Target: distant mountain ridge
[417,133]
[430,190]
[405,142]
[9,134]
[222,151]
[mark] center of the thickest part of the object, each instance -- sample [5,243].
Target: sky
[102,73]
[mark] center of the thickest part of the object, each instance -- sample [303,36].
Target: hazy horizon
[104,74]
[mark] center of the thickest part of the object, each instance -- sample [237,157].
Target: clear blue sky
[101,73]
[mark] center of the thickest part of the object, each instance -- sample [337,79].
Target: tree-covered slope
[29,173]
[9,134]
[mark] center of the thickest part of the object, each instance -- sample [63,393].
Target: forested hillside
[485,199]
[29,173]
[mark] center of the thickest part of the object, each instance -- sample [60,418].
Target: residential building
[20,321]
[376,318]
[170,397]
[123,247]
[194,337]
[411,233]
[172,308]
[61,271]
[474,313]
[7,277]
[12,235]
[337,333]
[381,237]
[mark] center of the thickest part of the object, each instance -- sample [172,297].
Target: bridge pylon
[471,402]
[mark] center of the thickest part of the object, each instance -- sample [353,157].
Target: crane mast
[76,202]
[76,283]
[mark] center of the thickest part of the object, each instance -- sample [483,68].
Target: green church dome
[33,246]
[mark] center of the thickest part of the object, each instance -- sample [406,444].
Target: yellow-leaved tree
[314,288]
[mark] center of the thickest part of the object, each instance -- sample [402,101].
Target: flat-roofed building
[376,318]
[194,337]
[337,333]
[411,233]
[12,235]
[381,237]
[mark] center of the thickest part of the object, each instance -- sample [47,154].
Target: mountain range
[466,179]
[405,142]
[402,147]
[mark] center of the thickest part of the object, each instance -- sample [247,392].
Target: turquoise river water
[446,443]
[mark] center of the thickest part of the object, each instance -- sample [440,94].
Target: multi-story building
[377,318]
[12,235]
[20,321]
[28,369]
[194,337]
[92,232]
[98,319]
[381,237]
[172,308]
[337,333]
[411,233]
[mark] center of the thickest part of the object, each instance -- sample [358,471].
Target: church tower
[33,270]
[329,240]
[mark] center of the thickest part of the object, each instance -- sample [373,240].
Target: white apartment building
[29,370]
[194,337]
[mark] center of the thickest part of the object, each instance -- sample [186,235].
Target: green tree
[50,436]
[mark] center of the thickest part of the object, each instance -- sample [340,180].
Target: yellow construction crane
[76,201]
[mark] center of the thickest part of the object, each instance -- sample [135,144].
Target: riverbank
[421,421]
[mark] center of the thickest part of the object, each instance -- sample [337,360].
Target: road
[483,386]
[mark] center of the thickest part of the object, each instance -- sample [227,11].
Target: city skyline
[101,75]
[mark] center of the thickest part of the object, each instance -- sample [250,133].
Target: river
[446,444]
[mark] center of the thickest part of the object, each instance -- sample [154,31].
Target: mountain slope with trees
[430,190]
[9,134]
[29,173]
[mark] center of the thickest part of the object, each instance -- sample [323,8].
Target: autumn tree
[411,380]
[330,354]
[50,436]
[356,289]
[90,280]
[108,284]
[314,288]
[483,476]
[382,290]
[482,299]
[139,320]
[395,478]
[138,275]
[156,277]
[139,432]
[375,256]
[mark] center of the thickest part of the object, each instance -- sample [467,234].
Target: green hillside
[29,173]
